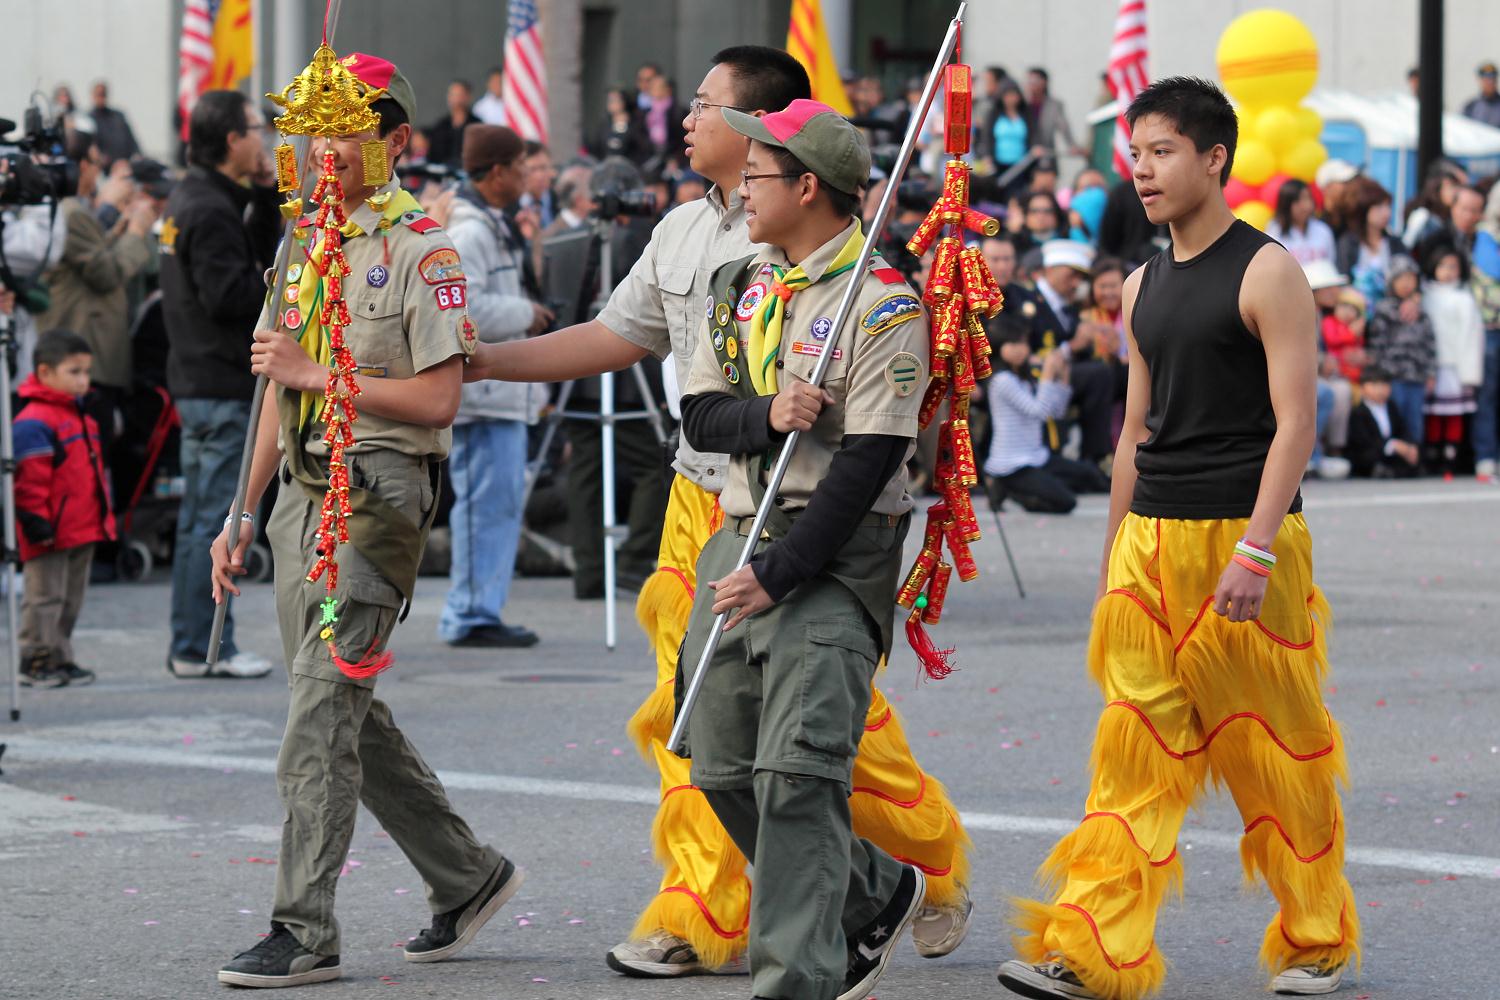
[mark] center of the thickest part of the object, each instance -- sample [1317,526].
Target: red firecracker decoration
[338,413]
[960,294]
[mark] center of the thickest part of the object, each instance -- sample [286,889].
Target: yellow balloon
[1257,213]
[1254,163]
[1303,160]
[1309,122]
[1268,57]
[1276,126]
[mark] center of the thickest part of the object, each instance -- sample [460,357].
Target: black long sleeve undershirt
[858,472]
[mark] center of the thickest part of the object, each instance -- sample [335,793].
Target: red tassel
[369,665]
[933,661]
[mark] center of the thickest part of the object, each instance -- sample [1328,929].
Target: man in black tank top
[1209,636]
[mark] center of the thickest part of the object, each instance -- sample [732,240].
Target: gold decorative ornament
[291,209]
[377,165]
[325,99]
[286,168]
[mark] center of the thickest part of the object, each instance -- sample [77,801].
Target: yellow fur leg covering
[1073,941]
[905,811]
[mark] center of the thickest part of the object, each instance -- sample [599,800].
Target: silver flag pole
[301,144]
[846,305]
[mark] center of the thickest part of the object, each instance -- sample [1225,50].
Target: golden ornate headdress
[327,100]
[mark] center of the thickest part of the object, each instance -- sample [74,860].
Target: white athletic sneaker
[1044,982]
[241,664]
[1332,467]
[1484,470]
[1308,980]
[938,930]
[182,666]
[663,955]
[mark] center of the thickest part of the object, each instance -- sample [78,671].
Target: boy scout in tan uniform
[409,334]
[782,708]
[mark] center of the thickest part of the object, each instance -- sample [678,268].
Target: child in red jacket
[62,506]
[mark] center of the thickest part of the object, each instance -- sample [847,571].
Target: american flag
[524,91]
[1127,72]
[195,56]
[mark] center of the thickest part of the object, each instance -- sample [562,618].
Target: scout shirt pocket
[838,663]
[684,316]
[803,342]
[376,333]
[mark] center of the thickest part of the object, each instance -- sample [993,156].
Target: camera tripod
[11,553]
[601,242]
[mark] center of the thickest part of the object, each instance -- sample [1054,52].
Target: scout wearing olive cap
[785,694]
[824,140]
[374,71]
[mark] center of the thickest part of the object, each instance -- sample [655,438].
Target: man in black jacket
[216,241]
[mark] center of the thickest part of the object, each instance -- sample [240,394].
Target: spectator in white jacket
[34,238]
[487,465]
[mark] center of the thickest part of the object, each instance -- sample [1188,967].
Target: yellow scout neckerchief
[311,296]
[765,325]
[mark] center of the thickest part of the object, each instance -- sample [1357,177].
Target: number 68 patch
[451,296]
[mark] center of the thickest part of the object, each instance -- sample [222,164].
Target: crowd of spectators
[1409,307]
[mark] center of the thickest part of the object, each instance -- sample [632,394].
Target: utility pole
[1429,86]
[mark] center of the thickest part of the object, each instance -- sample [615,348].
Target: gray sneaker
[1308,980]
[1044,982]
[938,930]
[664,955]
[241,664]
[279,961]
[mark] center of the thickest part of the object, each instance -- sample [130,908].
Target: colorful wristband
[1252,565]
[1256,554]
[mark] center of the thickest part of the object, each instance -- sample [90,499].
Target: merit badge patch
[822,327]
[814,350]
[903,373]
[441,265]
[893,310]
[718,340]
[708,307]
[293,292]
[732,347]
[451,296]
[750,301]
[731,373]
[292,319]
[294,273]
[377,276]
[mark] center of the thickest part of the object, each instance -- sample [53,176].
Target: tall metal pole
[840,316]
[12,555]
[1429,86]
[257,399]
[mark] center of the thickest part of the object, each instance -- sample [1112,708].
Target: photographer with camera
[88,286]
[213,288]
[487,465]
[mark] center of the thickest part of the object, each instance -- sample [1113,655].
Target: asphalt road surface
[139,818]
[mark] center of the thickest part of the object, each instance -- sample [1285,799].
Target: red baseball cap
[374,71]
[814,133]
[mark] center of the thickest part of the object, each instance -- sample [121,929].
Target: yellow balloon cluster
[1268,62]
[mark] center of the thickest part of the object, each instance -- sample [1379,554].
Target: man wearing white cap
[1331,177]
[1065,267]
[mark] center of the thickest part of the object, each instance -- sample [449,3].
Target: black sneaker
[871,949]
[451,932]
[500,636]
[1047,981]
[279,960]
[76,675]
[39,671]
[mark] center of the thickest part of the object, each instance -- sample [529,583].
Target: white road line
[1316,501]
[26,748]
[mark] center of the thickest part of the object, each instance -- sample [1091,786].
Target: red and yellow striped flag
[807,41]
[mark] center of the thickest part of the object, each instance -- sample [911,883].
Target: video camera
[612,202]
[33,169]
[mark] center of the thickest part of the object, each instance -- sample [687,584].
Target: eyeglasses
[697,104]
[747,178]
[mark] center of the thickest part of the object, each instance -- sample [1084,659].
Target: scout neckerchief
[312,296]
[765,325]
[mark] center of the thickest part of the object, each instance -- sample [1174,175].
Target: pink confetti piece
[574,922]
[616,752]
[1450,878]
[187,739]
[150,923]
[538,979]
[1221,941]
[246,912]
[523,922]
[1380,703]
[130,892]
[401,892]
[70,798]
[1374,903]
[570,746]
[1433,758]
[79,833]
[1055,781]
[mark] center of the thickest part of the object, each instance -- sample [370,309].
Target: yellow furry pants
[1190,695]
[705,895]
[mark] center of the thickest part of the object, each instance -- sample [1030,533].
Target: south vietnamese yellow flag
[807,41]
[234,44]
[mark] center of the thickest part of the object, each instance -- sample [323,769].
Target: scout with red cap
[783,700]
[374,310]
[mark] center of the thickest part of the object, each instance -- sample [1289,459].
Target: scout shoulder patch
[441,265]
[888,275]
[903,373]
[893,310]
[419,223]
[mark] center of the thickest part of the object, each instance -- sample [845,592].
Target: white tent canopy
[1390,122]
